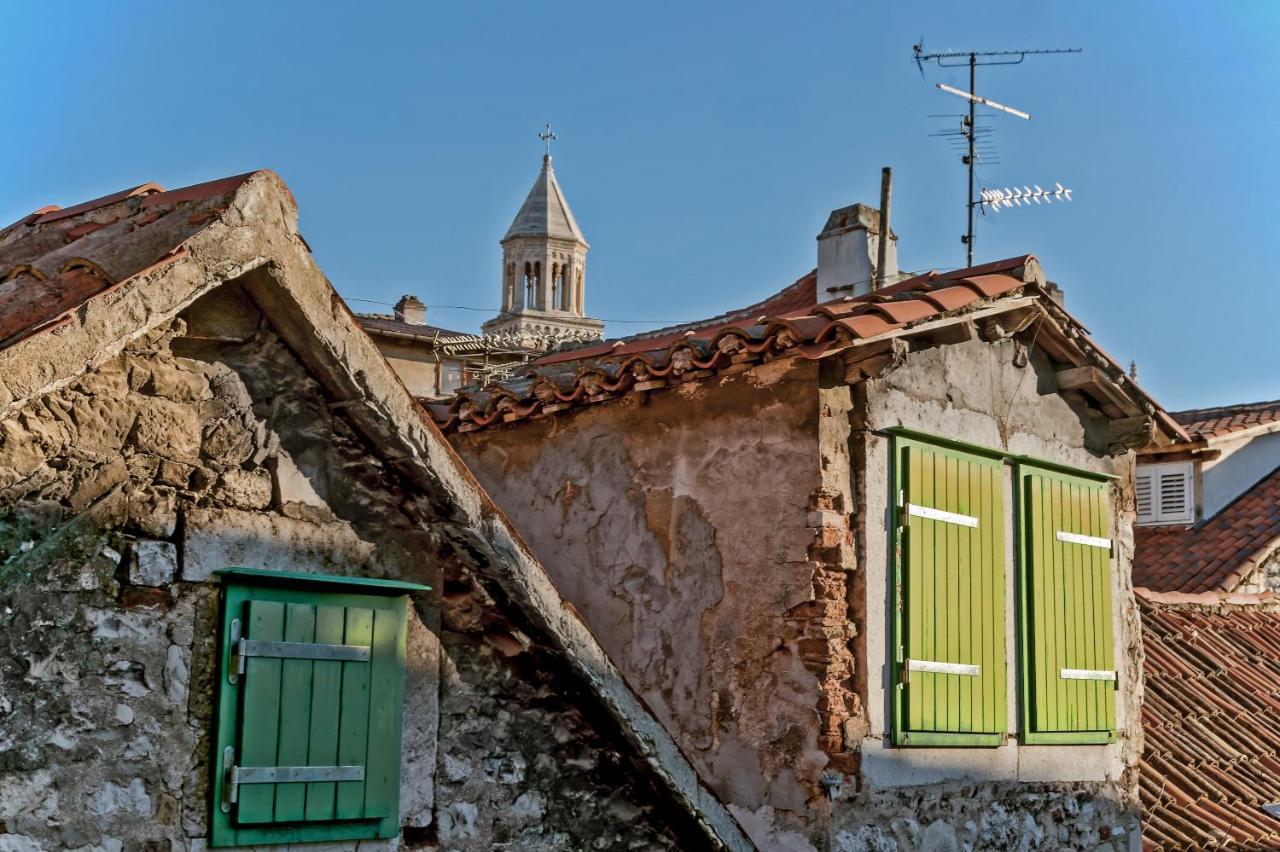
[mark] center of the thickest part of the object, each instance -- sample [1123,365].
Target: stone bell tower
[544,267]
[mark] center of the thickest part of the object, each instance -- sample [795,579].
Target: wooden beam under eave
[1096,383]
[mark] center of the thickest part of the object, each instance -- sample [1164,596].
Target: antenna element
[969,129]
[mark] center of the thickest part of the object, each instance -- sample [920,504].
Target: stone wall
[206,444]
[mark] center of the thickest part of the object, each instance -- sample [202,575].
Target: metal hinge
[233,776]
[242,649]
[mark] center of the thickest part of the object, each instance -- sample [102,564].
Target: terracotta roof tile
[790,323]
[1217,554]
[1205,423]
[52,263]
[1211,725]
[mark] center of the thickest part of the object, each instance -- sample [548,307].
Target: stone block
[245,489]
[168,429]
[153,563]
[222,538]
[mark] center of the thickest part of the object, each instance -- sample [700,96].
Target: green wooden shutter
[1068,673]
[950,597]
[309,711]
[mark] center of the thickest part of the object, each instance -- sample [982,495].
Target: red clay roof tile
[1211,724]
[1217,554]
[789,323]
[1205,423]
[86,206]
[52,263]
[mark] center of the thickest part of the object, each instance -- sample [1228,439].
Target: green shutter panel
[950,601]
[1068,675]
[310,712]
[279,699]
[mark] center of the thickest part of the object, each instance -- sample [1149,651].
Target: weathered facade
[718,503]
[182,392]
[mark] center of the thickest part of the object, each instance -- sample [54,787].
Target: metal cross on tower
[974,58]
[548,137]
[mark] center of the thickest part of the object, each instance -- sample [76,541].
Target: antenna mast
[974,58]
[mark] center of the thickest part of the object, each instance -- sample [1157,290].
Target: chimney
[847,250]
[409,309]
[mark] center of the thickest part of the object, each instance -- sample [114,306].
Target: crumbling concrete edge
[256,241]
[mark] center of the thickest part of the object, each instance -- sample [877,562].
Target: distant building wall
[1243,462]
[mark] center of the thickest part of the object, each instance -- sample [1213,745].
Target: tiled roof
[1205,423]
[55,260]
[1219,553]
[1211,724]
[789,324]
[376,323]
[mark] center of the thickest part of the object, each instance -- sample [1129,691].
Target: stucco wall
[1242,463]
[679,526]
[415,364]
[207,444]
[1040,796]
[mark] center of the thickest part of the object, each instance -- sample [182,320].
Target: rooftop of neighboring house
[1224,420]
[389,323]
[1211,721]
[1220,553]
[793,323]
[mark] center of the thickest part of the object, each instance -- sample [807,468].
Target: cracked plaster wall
[205,444]
[679,526]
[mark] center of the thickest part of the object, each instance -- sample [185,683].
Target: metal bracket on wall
[234,776]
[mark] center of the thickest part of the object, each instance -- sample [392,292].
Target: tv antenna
[970,131]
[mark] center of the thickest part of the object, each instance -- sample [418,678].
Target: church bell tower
[544,267]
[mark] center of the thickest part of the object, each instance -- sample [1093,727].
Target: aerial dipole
[974,58]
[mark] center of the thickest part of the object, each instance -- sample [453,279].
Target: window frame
[241,585]
[1013,512]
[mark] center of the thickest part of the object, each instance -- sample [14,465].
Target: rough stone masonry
[206,444]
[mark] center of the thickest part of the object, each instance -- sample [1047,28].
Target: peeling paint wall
[679,526]
[206,444]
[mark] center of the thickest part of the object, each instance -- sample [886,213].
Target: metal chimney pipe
[886,199]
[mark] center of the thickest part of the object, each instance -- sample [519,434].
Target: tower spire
[544,259]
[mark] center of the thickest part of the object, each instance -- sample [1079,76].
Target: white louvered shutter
[1143,488]
[1166,493]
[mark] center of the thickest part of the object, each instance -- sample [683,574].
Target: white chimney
[847,250]
[409,309]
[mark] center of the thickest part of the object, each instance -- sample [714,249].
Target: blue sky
[702,146]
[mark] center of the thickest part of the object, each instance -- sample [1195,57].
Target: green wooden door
[950,600]
[309,712]
[1068,675]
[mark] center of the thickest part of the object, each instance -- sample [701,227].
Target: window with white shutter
[1166,493]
